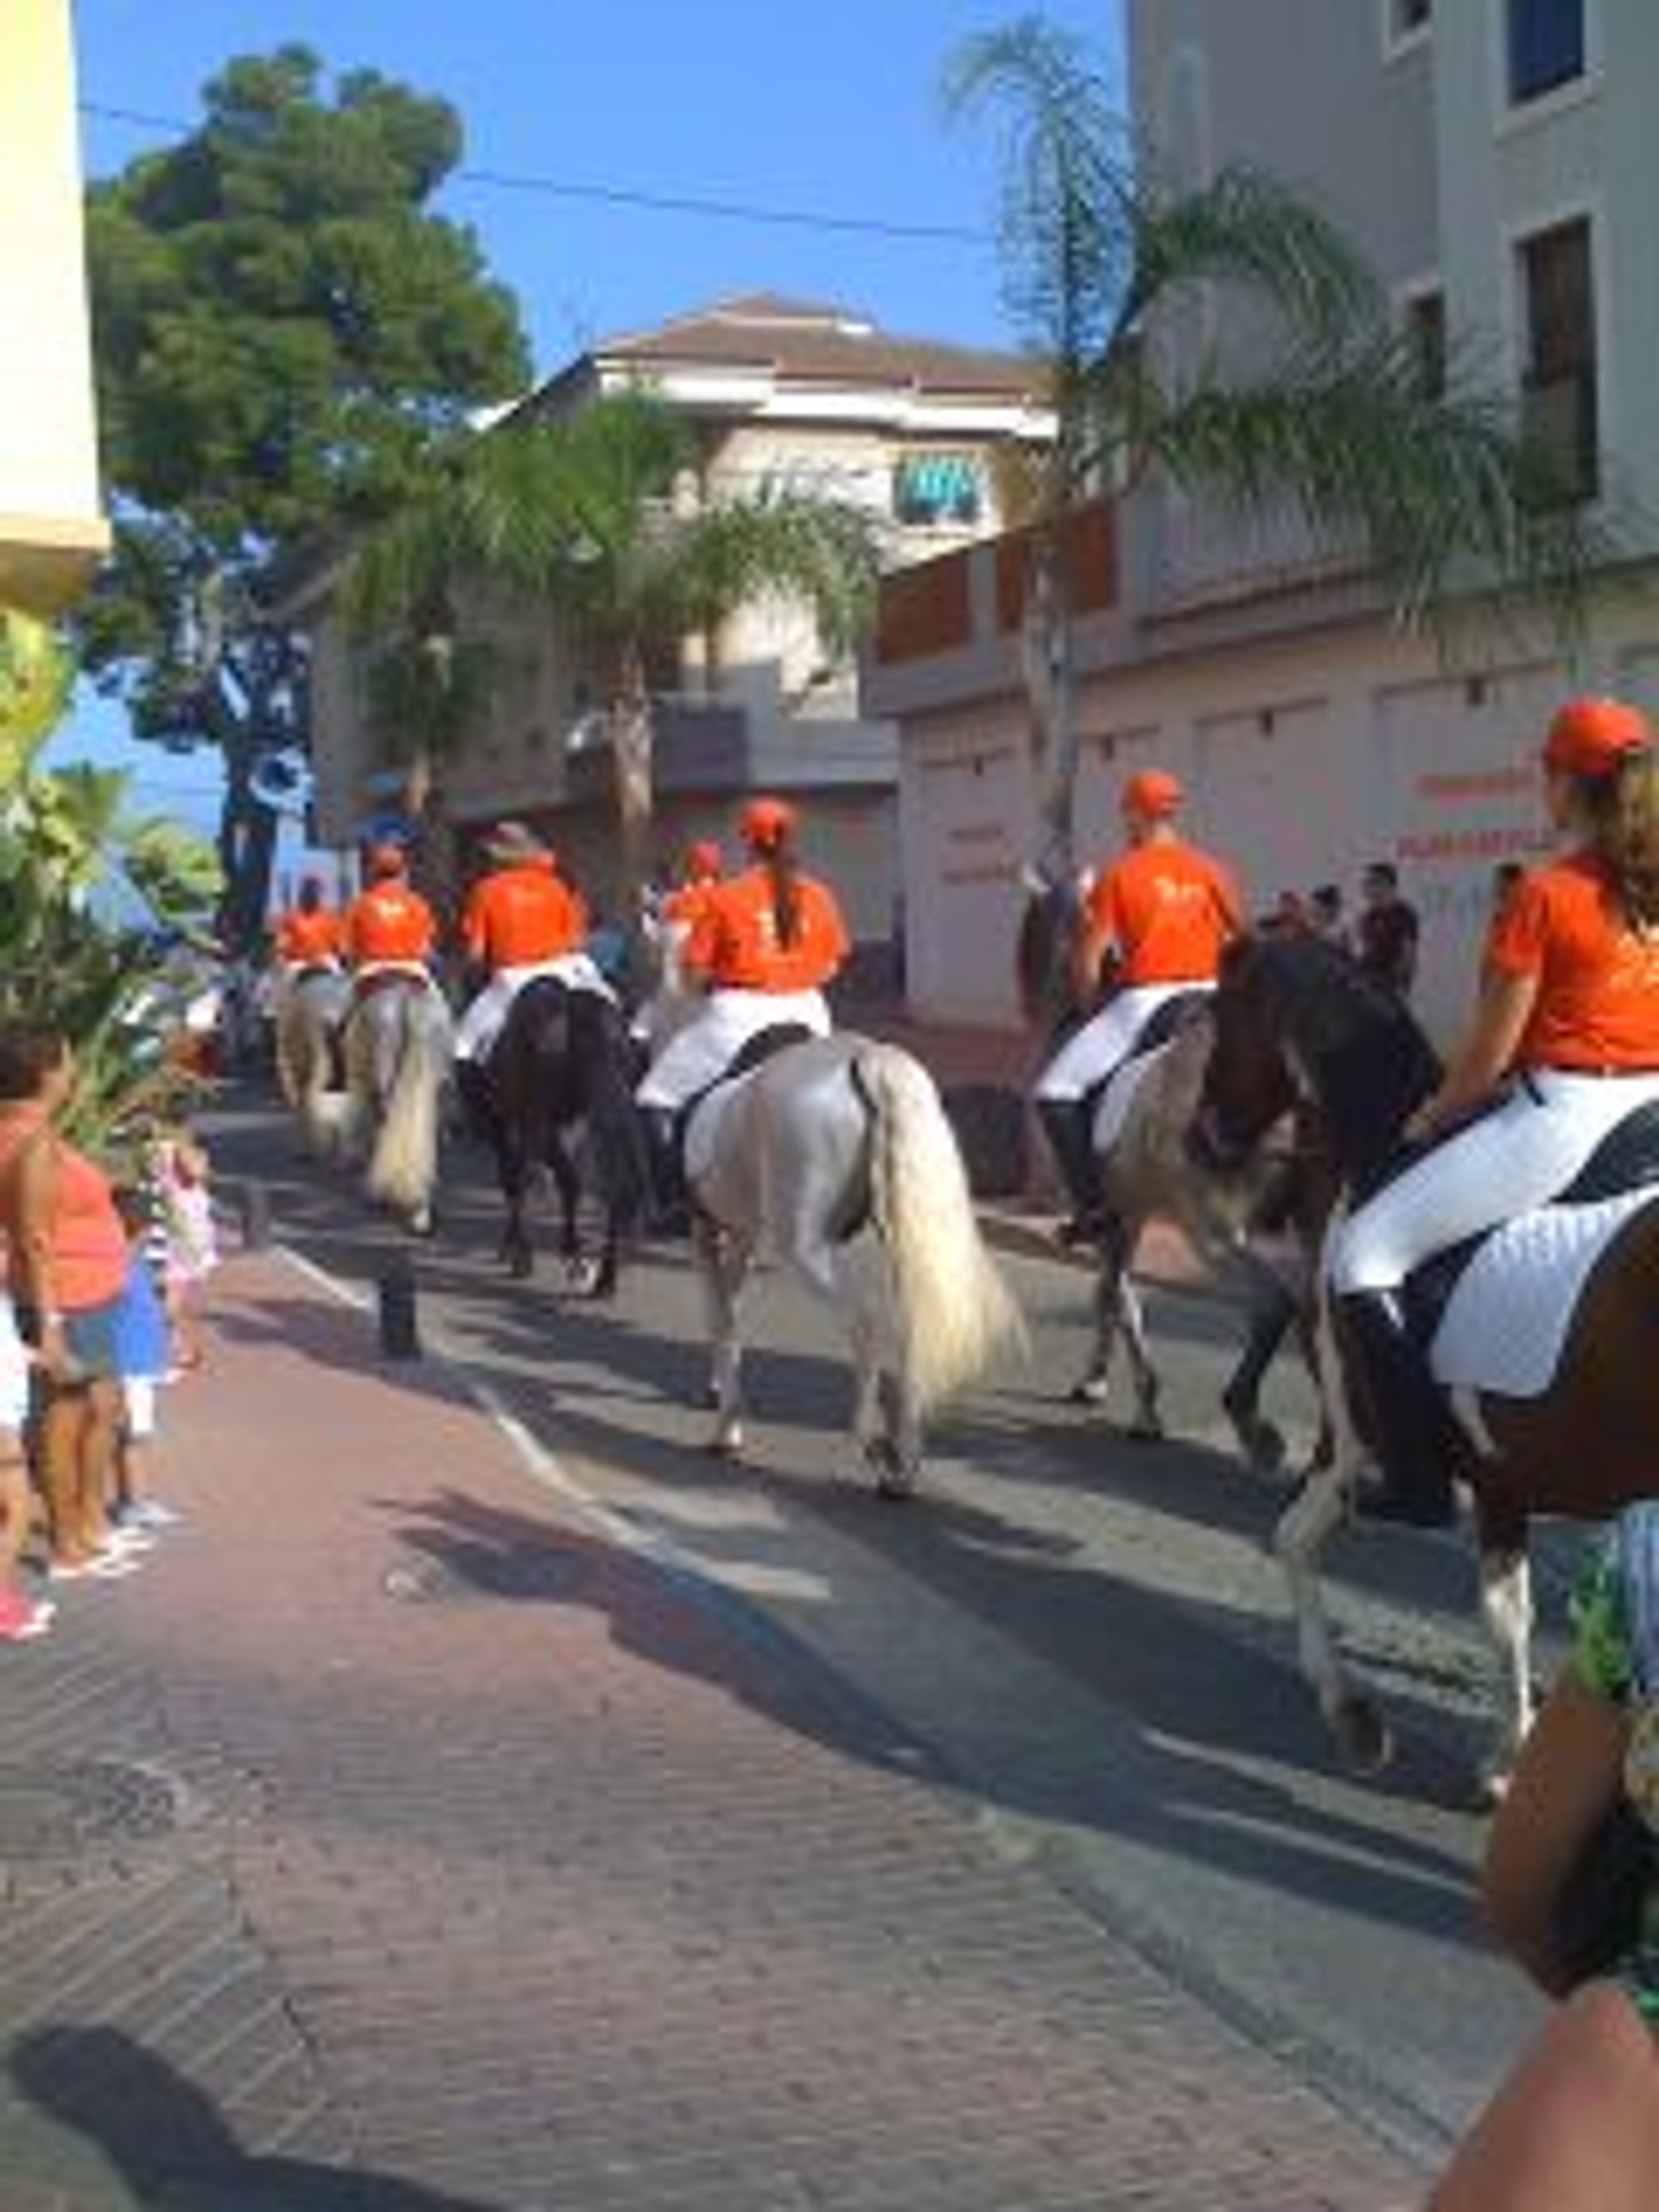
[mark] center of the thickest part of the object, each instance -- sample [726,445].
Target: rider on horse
[1563,1045]
[521,920]
[764,944]
[1163,914]
[309,935]
[388,929]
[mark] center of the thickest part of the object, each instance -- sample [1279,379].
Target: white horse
[309,1008]
[835,1152]
[399,1045]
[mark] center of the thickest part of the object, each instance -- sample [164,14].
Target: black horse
[562,1060]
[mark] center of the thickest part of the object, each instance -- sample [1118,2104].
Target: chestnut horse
[1544,1334]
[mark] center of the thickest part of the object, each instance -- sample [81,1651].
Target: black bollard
[400,1332]
[255,1216]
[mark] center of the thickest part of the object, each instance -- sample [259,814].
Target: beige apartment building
[1497,161]
[52,529]
[779,392]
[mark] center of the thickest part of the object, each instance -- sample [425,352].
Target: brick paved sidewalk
[392,1842]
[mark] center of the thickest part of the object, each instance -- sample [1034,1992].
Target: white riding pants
[1104,1042]
[694,1056]
[486,1017]
[1520,1155]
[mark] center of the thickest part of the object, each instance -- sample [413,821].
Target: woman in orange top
[765,943]
[1569,1008]
[521,920]
[67,1260]
[1164,913]
[389,927]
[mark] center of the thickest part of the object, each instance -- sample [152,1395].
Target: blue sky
[828,110]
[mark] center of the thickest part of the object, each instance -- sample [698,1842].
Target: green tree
[83,886]
[1332,412]
[581,517]
[283,329]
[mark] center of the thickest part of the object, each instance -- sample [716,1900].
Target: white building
[778,392]
[1497,161]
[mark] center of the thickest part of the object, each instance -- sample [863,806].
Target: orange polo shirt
[735,940]
[517,916]
[389,922]
[1598,1002]
[306,935]
[1170,910]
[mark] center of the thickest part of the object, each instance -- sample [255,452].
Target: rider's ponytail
[1622,814]
[783,871]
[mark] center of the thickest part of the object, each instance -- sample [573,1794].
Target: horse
[309,1008]
[1151,1168]
[399,1047]
[563,1058]
[833,1152]
[1545,1345]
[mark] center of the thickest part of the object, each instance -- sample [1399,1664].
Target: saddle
[752,1053]
[1623,1165]
[1163,1023]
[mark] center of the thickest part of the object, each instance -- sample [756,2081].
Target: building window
[931,488]
[1559,370]
[1424,319]
[1546,46]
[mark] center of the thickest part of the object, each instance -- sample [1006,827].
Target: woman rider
[1566,1037]
[764,944]
[1164,912]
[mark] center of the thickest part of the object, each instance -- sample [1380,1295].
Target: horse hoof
[1088,1392]
[1146,1431]
[521,1266]
[1363,1739]
[582,1276]
[1262,1445]
[726,1442]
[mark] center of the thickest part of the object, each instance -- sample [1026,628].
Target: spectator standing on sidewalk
[184,1241]
[66,1260]
[1387,931]
[143,1352]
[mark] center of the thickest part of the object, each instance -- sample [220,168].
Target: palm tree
[1339,418]
[580,515]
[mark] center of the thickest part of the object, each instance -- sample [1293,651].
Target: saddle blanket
[1122,1088]
[1506,1323]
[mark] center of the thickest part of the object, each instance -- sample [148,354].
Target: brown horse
[1561,1308]
[1151,1169]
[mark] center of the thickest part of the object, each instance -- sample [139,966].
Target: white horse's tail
[403,1166]
[953,1307]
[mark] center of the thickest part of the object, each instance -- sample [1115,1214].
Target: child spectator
[22,1616]
[143,1358]
[181,1240]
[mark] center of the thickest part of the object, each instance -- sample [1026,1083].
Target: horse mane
[1364,1051]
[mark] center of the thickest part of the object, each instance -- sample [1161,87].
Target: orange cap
[1152,793]
[766,823]
[387,859]
[704,859]
[1594,737]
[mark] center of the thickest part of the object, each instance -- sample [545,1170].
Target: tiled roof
[817,343]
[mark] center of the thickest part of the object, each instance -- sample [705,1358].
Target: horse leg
[1506,1608]
[1357,1727]
[722,1264]
[518,1253]
[1147,1427]
[1260,1440]
[585,1276]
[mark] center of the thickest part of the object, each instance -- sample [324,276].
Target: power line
[659,203]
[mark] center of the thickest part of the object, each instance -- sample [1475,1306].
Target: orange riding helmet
[765,823]
[1153,793]
[1594,737]
[702,859]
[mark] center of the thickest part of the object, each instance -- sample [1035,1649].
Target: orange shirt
[1170,910]
[517,916]
[87,1252]
[308,936]
[734,939]
[685,905]
[389,922]
[1598,1002]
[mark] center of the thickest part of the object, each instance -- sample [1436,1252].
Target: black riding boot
[1067,1124]
[670,1206]
[1412,1425]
